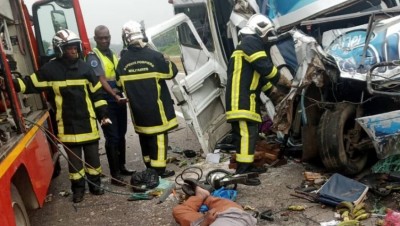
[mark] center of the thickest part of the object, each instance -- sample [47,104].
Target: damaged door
[384,130]
[199,88]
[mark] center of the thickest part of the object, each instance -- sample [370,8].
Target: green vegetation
[171,50]
[168,43]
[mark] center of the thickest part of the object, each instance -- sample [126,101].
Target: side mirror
[58,19]
[66,4]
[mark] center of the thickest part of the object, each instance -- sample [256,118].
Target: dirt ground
[114,209]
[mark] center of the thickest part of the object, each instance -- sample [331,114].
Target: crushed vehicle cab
[326,48]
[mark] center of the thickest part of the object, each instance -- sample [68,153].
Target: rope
[55,141]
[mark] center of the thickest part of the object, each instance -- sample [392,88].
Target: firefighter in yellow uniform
[76,93]
[250,72]
[142,73]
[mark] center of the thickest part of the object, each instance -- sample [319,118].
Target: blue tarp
[340,188]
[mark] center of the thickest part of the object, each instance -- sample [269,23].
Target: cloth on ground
[221,193]
[232,217]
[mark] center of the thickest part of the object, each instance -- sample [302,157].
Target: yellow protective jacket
[103,65]
[109,66]
[142,73]
[77,95]
[249,71]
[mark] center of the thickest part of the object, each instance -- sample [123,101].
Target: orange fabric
[220,204]
[188,212]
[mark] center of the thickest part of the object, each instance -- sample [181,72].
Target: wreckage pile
[265,153]
[349,197]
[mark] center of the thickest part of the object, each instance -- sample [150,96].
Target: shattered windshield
[292,12]
[198,15]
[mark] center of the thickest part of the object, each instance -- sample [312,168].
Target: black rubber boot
[164,173]
[94,182]
[259,170]
[113,163]
[242,168]
[78,190]
[118,181]
[125,171]
[147,164]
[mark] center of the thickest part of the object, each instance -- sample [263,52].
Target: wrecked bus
[315,40]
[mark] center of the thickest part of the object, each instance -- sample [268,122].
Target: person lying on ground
[221,211]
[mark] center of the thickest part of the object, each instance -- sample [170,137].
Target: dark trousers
[77,170]
[115,133]
[92,159]
[154,149]
[244,134]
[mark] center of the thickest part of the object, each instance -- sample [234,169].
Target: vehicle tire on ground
[20,214]
[334,145]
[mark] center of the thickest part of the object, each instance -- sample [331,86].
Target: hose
[189,170]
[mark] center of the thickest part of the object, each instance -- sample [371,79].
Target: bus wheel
[335,143]
[20,214]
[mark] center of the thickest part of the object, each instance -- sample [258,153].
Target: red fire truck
[28,154]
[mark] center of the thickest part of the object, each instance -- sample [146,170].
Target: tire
[334,145]
[20,214]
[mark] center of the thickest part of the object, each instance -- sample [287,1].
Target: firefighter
[77,95]
[250,71]
[142,73]
[104,62]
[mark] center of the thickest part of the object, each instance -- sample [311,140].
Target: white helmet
[63,38]
[131,32]
[258,24]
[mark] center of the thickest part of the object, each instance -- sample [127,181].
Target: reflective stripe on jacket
[77,95]
[142,73]
[109,66]
[249,70]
